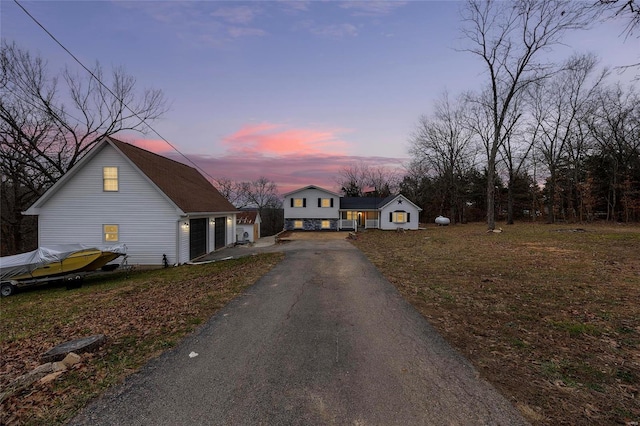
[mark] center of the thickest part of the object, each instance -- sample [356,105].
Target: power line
[108,89]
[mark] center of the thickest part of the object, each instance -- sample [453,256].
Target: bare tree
[557,106]
[353,179]
[45,130]
[629,9]
[443,143]
[361,179]
[236,192]
[615,126]
[514,152]
[263,193]
[510,38]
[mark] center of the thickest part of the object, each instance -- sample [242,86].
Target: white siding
[241,229]
[311,211]
[406,206]
[147,221]
[183,241]
[211,234]
[231,229]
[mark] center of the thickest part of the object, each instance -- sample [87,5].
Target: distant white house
[247,226]
[119,193]
[313,208]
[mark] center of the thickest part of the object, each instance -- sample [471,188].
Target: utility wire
[109,90]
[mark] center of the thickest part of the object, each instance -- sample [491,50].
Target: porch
[355,220]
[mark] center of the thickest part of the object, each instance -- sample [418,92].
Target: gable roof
[172,178]
[247,217]
[311,187]
[182,185]
[390,199]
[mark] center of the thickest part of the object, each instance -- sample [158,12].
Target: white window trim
[395,217]
[105,233]
[105,179]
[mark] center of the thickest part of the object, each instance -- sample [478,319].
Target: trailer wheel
[7,289]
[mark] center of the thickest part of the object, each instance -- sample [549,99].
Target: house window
[109,179]
[298,224]
[298,202]
[399,217]
[325,202]
[326,224]
[110,233]
[351,215]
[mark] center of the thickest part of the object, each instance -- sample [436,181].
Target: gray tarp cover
[11,266]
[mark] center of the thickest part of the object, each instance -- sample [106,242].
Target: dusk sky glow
[290,90]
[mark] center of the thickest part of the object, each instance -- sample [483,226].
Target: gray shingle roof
[363,203]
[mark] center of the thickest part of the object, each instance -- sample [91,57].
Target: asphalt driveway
[321,339]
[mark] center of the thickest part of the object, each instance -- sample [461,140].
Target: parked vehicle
[62,262]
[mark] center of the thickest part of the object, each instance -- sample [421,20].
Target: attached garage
[197,237]
[220,234]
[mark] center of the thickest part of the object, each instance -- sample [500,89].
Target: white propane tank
[442,221]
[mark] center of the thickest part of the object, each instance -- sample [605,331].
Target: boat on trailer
[60,262]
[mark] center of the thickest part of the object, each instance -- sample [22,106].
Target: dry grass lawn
[549,314]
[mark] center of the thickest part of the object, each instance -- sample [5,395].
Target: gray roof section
[363,203]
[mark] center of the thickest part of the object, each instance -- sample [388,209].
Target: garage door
[221,232]
[197,237]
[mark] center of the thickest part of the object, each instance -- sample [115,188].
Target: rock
[26,380]
[59,366]
[41,369]
[85,344]
[71,359]
[51,377]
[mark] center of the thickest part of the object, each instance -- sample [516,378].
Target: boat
[54,262]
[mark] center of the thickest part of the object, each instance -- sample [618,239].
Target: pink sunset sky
[290,157]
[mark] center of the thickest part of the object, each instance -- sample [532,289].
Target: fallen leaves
[142,316]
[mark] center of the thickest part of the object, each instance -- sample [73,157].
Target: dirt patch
[550,318]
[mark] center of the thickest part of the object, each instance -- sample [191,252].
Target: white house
[311,208]
[248,226]
[119,193]
[315,208]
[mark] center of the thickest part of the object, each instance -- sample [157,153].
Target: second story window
[109,179]
[298,202]
[325,202]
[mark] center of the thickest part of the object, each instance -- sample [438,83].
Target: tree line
[557,140]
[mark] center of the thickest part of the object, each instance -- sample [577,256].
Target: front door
[197,237]
[220,232]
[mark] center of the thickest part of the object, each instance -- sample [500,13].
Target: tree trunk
[510,197]
[491,190]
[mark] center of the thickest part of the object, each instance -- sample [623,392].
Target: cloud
[237,32]
[293,6]
[154,145]
[236,15]
[330,31]
[372,8]
[288,171]
[274,139]
[292,158]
